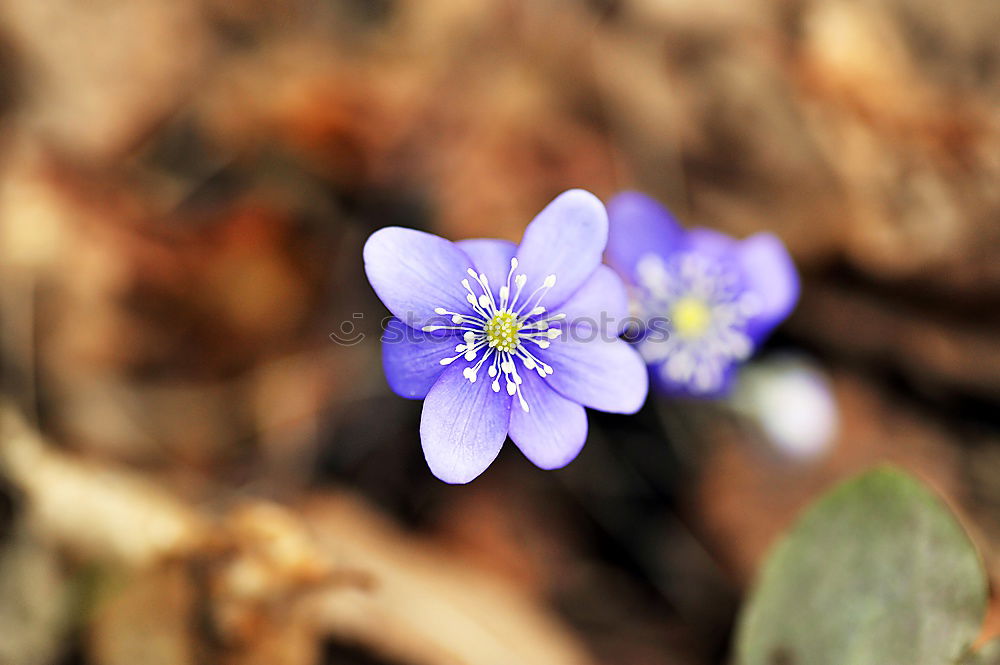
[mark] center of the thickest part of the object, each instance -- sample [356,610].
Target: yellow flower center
[691,317]
[501,331]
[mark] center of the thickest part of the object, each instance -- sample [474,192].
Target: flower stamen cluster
[502,331]
[708,310]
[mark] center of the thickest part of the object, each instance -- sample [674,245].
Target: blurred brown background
[192,471]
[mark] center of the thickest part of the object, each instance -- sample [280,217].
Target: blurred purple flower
[499,338]
[719,297]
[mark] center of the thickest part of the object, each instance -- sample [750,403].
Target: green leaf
[877,572]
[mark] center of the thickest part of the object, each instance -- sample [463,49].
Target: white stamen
[501,330]
[708,341]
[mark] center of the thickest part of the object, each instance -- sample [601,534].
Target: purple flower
[706,300]
[503,339]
